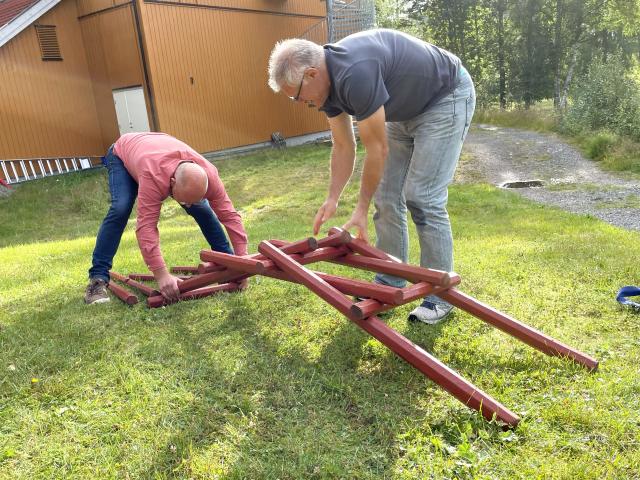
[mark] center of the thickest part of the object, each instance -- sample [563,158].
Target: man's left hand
[358,220]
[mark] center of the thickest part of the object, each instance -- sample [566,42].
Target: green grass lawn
[273,383]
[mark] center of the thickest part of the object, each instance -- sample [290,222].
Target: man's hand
[168,284]
[359,220]
[325,212]
[243,284]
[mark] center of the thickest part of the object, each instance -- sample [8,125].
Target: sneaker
[96,292]
[430,313]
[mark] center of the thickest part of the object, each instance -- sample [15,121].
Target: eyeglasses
[297,97]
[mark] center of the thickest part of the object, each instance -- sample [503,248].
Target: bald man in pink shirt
[152,167]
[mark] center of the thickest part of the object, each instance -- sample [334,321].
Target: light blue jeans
[423,154]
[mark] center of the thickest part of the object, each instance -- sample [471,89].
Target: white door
[131,110]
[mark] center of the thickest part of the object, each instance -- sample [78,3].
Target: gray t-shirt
[386,67]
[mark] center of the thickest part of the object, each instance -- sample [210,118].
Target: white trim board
[26,18]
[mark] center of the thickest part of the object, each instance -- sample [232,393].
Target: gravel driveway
[500,155]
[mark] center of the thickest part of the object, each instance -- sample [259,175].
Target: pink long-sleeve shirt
[151,159]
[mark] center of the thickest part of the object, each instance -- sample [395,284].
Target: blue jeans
[423,154]
[124,191]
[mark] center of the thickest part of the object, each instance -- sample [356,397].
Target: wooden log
[412,273]
[304,276]
[233,262]
[448,379]
[122,293]
[347,286]
[189,269]
[208,267]
[149,277]
[146,290]
[159,301]
[517,329]
[358,245]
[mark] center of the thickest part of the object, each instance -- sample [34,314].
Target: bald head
[191,183]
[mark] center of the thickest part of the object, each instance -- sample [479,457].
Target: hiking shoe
[96,292]
[430,313]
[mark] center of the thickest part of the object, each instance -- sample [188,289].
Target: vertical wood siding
[85,7]
[316,8]
[114,62]
[209,74]
[47,108]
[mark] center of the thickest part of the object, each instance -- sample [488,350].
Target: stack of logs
[285,261]
[154,298]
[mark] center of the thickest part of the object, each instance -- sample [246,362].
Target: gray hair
[290,58]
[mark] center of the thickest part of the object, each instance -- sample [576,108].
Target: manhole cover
[522,184]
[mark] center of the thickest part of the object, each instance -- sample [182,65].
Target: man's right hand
[168,285]
[325,212]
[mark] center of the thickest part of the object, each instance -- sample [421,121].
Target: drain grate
[522,184]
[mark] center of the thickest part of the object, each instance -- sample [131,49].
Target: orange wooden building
[75,74]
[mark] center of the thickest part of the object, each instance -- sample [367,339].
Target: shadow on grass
[354,402]
[254,410]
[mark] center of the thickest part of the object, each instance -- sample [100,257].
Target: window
[48,40]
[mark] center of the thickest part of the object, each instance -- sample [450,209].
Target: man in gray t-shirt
[413,103]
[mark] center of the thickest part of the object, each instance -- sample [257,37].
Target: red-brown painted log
[519,330]
[142,277]
[149,277]
[335,239]
[160,301]
[122,293]
[303,246]
[118,276]
[410,272]
[191,270]
[409,294]
[442,375]
[347,286]
[199,281]
[145,289]
[234,262]
[208,267]
[370,306]
[279,243]
[320,255]
[358,245]
[324,254]
[304,276]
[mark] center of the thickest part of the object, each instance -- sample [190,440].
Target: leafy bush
[598,145]
[606,98]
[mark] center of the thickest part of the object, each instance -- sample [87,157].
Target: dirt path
[498,155]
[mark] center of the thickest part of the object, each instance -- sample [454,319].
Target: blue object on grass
[628,291]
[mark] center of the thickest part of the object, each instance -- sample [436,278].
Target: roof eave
[26,18]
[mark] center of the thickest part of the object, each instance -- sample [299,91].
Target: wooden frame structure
[286,261]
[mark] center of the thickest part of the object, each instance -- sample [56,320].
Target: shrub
[598,145]
[606,98]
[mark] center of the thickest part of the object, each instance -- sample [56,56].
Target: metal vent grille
[48,40]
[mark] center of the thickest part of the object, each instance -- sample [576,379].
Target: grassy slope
[273,383]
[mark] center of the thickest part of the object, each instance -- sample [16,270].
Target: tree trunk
[557,54]
[502,87]
[567,81]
